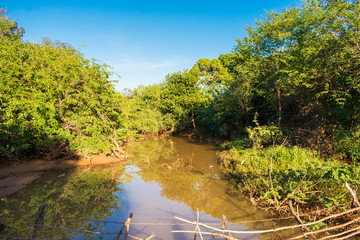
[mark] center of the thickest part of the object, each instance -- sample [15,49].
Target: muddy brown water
[166,177]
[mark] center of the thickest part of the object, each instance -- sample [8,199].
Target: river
[166,177]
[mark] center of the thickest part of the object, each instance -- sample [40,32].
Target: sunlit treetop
[9,29]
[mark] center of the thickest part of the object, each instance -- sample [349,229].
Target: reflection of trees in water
[188,173]
[71,198]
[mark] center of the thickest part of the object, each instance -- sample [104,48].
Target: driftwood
[274,229]
[126,224]
[303,228]
[207,233]
[355,201]
[340,234]
[39,221]
[330,228]
[224,225]
[197,228]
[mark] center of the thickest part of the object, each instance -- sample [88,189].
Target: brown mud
[16,176]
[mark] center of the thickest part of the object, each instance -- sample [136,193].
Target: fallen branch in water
[329,228]
[224,225]
[206,233]
[275,229]
[197,226]
[39,221]
[340,234]
[303,228]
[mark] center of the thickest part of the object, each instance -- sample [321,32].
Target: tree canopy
[53,101]
[297,69]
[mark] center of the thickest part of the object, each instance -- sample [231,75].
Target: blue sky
[142,40]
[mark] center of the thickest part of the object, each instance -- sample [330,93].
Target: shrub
[347,142]
[278,173]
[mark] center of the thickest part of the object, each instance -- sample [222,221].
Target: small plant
[261,136]
[347,142]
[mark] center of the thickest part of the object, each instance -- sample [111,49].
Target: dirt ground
[16,176]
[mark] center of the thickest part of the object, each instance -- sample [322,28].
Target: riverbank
[271,176]
[16,176]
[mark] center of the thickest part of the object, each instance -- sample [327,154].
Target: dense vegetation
[53,101]
[298,70]
[287,96]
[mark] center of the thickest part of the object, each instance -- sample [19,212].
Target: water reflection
[168,177]
[73,198]
[186,173]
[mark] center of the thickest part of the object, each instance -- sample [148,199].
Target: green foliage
[297,68]
[50,96]
[142,110]
[9,29]
[278,173]
[294,68]
[263,135]
[182,98]
[304,56]
[347,142]
[190,97]
[239,144]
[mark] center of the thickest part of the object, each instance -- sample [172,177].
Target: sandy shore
[16,176]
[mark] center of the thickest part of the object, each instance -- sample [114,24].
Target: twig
[329,228]
[197,225]
[125,224]
[298,219]
[39,220]
[224,221]
[340,234]
[21,238]
[128,225]
[151,236]
[68,229]
[206,233]
[355,201]
[274,229]
[350,235]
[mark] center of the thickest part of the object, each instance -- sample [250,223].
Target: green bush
[347,142]
[51,96]
[278,173]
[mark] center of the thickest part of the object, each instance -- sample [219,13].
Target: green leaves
[182,97]
[54,97]
[299,65]
[276,173]
[9,29]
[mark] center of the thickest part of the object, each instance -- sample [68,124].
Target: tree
[54,102]
[9,29]
[302,62]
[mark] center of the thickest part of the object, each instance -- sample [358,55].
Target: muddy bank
[16,176]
